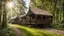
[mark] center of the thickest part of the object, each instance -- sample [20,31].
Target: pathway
[17,31]
[55,31]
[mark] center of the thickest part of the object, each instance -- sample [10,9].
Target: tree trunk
[55,11]
[4,21]
[0,11]
[63,11]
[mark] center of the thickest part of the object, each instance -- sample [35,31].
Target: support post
[30,19]
[41,19]
[36,18]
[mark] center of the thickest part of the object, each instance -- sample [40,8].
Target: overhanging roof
[40,11]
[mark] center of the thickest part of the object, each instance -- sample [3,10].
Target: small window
[38,17]
[44,17]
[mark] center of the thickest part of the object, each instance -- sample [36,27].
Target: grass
[35,32]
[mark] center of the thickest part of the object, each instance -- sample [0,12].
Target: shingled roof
[40,11]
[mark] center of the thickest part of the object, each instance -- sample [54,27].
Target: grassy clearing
[35,32]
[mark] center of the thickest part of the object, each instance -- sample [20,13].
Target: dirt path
[55,31]
[17,31]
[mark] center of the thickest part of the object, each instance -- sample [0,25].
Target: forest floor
[54,31]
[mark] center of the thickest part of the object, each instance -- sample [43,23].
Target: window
[33,16]
[44,17]
[38,17]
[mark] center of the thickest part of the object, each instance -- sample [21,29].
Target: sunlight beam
[10,4]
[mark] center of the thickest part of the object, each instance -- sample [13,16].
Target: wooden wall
[36,19]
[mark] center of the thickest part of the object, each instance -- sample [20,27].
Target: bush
[58,26]
[6,32]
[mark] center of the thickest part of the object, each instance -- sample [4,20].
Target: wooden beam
[30,19]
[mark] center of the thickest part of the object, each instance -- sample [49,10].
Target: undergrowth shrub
[7,32]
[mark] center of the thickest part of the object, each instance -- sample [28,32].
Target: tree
[4,20]
[19,4]
[63,9]
[0,11]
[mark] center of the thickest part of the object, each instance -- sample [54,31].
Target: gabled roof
[40,12]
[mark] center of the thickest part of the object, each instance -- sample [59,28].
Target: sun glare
[10,4]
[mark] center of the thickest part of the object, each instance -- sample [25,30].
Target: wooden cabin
[36,17]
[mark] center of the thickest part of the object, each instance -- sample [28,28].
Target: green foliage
[58,26]
[7,32]
[35,32]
